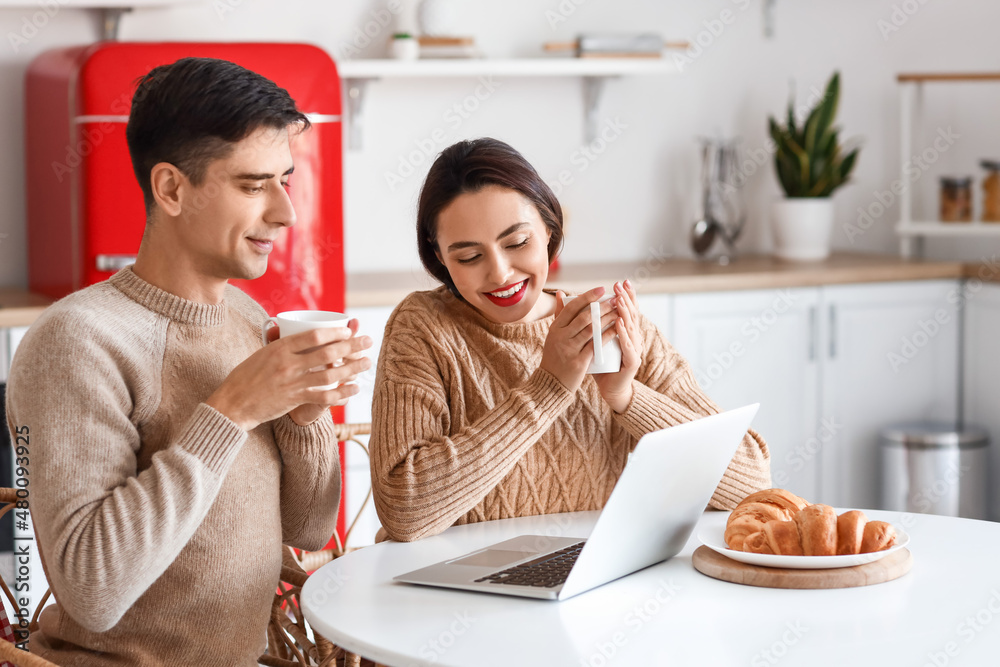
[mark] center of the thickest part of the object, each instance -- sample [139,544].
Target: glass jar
[956,199]
[991,191]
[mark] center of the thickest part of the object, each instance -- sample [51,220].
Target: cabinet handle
[812,333]
[833,331]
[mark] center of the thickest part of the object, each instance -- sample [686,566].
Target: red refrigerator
[85,210]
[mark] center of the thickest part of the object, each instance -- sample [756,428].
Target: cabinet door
[657,308]
[371,321]
[760,346]
[981,363]
[890,356]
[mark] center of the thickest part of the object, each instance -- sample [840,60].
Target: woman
[482,408]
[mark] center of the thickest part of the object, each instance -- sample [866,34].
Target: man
[171,454]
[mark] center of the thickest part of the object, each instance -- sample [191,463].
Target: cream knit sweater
[466,427]
[159,520]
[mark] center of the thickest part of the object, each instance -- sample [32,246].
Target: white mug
[607,357]
[294,322]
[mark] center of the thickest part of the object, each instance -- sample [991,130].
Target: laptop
[652,511]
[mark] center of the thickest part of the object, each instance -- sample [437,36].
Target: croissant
[758,509]
[818,531]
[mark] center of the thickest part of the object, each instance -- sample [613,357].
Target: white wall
[641,192]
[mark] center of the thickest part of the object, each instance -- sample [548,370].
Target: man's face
[231,220]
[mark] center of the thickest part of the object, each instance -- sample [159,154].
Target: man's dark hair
[468,167]
[193,111]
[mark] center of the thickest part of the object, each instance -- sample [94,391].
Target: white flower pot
[404,48]
[801,228]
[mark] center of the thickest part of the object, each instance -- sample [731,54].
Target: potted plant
[811,165]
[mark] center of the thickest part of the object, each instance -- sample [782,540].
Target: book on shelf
[432,46]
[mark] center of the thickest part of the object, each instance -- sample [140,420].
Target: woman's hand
[616,388]
[568,350]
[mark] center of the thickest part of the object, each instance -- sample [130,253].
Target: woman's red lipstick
[513,298]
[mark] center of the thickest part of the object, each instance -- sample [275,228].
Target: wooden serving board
[717,566]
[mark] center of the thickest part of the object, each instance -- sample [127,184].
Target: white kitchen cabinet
[657,307]
[371,321]
[981,370]
[761,346]
[831,367]
[891,355]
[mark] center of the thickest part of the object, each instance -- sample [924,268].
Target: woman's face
[495,247]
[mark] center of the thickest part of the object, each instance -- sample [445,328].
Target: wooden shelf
[937,228]
[912,232]
[100,4]
[948,76]
[357,74]
[526,67]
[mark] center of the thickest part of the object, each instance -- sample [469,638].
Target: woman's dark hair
[193,111]
[468,167]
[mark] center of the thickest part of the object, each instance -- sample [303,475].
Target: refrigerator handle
[114,262]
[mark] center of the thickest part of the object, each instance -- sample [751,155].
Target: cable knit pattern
[466,427]
[160,521]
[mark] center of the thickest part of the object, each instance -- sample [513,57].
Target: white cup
[294,322]
[607,357]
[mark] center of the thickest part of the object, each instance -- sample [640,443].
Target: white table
[945,611]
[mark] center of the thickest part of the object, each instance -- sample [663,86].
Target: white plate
[713,537]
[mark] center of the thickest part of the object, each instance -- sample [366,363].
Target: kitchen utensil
[722,214]
[705,230]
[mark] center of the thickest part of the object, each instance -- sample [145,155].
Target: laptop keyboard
[546,571]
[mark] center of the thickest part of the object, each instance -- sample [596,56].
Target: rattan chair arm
[348,431]
[21,658]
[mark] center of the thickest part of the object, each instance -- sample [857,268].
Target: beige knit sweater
[466,427]
[159,520]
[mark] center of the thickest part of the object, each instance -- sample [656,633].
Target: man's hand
[283,377]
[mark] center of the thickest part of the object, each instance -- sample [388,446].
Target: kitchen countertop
[655,275]
[652,275]
[19,308]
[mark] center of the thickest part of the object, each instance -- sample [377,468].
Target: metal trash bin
[935,469]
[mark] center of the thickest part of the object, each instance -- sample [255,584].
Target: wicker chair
[9,652]
[290,641]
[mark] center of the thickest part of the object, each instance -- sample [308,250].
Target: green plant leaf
[848,165]
[791,118]
[827,109]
